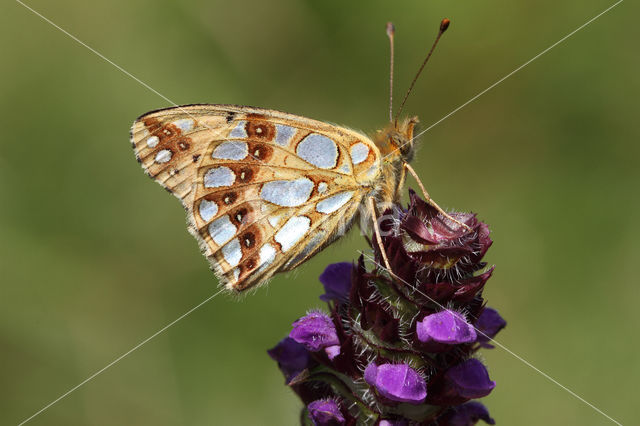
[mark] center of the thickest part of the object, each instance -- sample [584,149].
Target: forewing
[263,190]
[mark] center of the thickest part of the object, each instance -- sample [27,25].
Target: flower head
[396,347]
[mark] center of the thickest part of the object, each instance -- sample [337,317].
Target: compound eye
[406,148]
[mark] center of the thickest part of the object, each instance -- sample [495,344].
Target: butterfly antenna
[391,31]
[444,24]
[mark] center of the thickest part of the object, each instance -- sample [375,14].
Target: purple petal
[370,373]
[292,357]
[470,379]
[325,412]
[445,327]
[397,382]
[315,331]
[466,415]
[336,280]
[332,351]
[489,323]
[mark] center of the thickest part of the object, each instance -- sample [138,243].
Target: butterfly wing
[264,190]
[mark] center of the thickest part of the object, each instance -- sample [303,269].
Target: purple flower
[292,357]
[397,382]
[466,415]
[445,327]
[469,380]
[419,314]
[336,280]
[315,331]
[325,412]
[489,323]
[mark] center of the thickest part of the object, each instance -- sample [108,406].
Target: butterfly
[265,190]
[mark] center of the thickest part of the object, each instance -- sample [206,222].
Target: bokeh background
[95,256]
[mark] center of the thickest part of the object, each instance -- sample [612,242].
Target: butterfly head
[396,141]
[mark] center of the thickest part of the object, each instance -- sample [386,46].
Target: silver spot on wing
[318,150]
[219,176]
[239,131]
[184,124]
[284,134]
[287,193]
[230,150]
[292,231]
[232,252]
[333,203]
[359,152]
[222,230]
[207,209]
[163,156]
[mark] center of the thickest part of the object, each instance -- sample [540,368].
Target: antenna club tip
[444,24]
[391,29]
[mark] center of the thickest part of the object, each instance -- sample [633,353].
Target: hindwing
[264,190]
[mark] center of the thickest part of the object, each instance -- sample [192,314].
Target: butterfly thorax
[396,146]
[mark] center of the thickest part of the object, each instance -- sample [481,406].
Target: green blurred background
[95,257]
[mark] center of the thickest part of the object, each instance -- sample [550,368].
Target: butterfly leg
[429,200]
[376,230]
